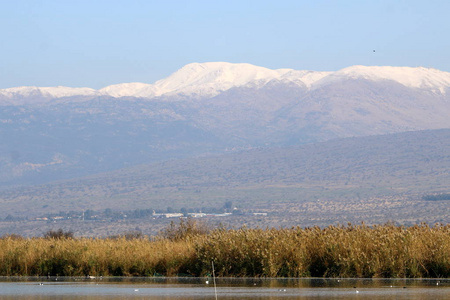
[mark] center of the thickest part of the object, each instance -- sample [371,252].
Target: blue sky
[99,43]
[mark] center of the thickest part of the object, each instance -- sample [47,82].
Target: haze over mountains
[59,132]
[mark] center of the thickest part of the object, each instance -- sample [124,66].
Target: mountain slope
[55,133]
[340,172]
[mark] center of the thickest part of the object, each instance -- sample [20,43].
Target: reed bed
[336,251]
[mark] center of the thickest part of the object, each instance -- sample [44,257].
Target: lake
[226,288]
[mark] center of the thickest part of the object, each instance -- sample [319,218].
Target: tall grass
[188,249]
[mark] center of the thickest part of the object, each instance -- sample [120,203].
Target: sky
[97,43]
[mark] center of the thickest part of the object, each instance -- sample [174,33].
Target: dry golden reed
[335,251]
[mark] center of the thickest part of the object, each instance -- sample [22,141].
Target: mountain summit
[210,79]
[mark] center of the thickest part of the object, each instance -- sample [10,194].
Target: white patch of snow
[62,91]
[307,78]
[407,76]
[50,92]
[212,78]
[134,89]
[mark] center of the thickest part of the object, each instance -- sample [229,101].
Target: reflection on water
[227,288]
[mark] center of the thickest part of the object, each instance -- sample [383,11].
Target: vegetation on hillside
[188,248]
[338,171]
[437,197]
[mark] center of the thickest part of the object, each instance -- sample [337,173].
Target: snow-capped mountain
[61,132]
[422,78]
[212,78]
[200,79]
[32,94]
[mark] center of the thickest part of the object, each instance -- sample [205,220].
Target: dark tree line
[437,197]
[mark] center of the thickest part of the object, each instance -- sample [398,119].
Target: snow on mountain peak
[33,94]
[52,92]
[134,89]
[213,77]
[62,91]
[411,77]
[206,79]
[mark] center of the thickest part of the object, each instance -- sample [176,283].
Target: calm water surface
[227,288]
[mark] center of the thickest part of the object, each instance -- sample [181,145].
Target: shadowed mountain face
[61,133]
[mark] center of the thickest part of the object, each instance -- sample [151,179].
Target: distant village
[109,215]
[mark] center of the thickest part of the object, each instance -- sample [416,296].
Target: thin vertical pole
[214,279]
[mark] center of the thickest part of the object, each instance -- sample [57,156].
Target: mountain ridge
[211,78]
[43,138]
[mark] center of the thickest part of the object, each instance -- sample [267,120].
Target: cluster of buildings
[191,215]
[154,215]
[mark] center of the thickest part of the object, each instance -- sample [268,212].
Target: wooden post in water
[214,279]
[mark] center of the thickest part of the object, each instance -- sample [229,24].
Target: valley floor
[405,210]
